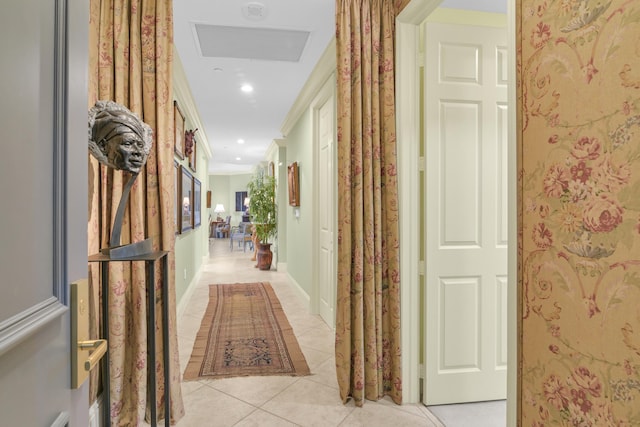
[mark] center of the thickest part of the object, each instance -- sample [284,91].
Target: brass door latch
[85,353]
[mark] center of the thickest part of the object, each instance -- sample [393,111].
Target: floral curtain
[578,110]
[130,62]
[368,295]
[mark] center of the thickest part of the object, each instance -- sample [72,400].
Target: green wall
[283,205]
[299,229]
[192,246]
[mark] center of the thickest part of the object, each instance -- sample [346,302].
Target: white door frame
[327,90]
[409,165]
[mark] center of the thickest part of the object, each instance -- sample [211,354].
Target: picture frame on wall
[293,181]
[178,123]
[208,199]
[197,203]
[186,200]
[176,196]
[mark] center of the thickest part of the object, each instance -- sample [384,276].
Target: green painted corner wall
[191,247]
[280,166]
[299,229]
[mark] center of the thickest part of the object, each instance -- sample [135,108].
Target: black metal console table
[150,260]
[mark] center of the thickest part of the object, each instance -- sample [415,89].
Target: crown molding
[324,68]
[182,93]
[417,11]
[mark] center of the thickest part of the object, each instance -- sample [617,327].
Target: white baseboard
[301,292]
[186,297]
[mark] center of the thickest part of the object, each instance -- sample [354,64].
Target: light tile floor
[276,401]
[476,414]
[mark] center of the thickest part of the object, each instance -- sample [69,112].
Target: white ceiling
[227,113]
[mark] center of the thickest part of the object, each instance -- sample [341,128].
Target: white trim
[417,11]
[322,96]
[304,296]
[407,131]
[512,215]
[408,137]
[182,93]
[326,65]
[186,297]
[271,150]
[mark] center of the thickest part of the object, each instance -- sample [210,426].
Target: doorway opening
[459,296]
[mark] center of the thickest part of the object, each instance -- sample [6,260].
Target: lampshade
[186,202]
[219,208]
[246,201]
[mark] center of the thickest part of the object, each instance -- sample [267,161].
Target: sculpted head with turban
[117,137]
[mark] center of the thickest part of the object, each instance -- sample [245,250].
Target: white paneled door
[466,213]
[326,279]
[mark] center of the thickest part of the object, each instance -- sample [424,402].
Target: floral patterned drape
[579,212]
[131,47]
[368,295]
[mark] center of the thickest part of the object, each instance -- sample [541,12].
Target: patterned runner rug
[244,332]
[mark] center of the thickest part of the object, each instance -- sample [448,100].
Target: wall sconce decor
[294,185]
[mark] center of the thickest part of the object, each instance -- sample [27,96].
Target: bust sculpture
[119,139]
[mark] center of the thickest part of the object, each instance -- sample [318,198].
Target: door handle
[85,353]
[99,348]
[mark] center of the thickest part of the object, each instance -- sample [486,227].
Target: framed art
[208,199]
[176,196]
[272,171]
[294,185]
[178,123]
[186,200]
[197,203]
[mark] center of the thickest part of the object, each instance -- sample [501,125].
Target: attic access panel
[251,43]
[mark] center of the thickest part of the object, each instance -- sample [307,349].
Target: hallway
[276,401]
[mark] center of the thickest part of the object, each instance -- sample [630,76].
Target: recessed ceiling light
[241,141]
[247,88]
[238,158]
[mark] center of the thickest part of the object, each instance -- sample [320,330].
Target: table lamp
[219,209]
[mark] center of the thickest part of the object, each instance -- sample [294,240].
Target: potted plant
[262,205]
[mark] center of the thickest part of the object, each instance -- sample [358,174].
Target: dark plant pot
[264,256]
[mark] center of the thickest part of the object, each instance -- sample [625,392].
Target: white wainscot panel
[460,63]
[460,174]
[502,67]
[501,322]
[502,227]
[459,329]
